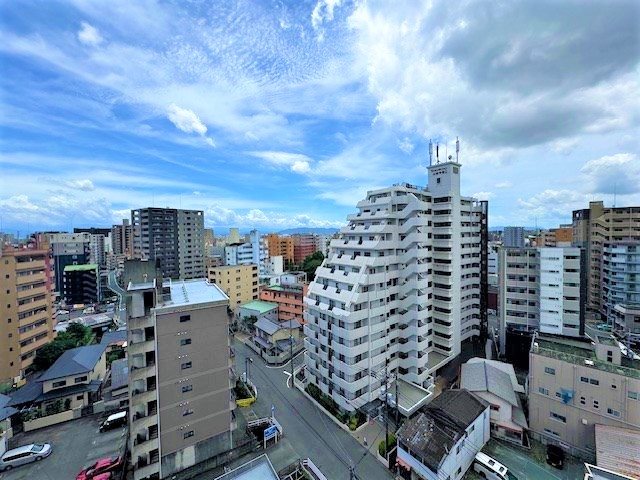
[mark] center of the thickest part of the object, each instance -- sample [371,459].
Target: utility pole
[397,402]
[291,353]
[386,407]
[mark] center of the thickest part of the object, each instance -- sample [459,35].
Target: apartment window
[596,404]
[61,383]
[551,432]
[613,412]
[560,418]
[80,379]
[187,412]
[584,379]
[593,381]
[185,318]
[543,391]
[187,388]
[185,341]
[583,401]
[558,394]
[634,395]
[614,386]
[185,365]
[549,370]
[188,434]
[495,408]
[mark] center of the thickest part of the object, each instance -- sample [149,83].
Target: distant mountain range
[320,231]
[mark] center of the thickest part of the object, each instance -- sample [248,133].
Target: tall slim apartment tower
[25,308]
[594,226]
[68,249]
[513,237]
[175,237]
[402,284]
[122,239]
[541,289]
[621,286]
[180,404]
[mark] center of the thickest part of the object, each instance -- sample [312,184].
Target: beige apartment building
[26,289]
[575,384]
[280,246]
[181,405]
[239,282]
[594,226]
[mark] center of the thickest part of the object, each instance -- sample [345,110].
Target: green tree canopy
[311,263]
[75,336]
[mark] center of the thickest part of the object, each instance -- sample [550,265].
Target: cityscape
[320,240]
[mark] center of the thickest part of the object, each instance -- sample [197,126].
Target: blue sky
[274,114]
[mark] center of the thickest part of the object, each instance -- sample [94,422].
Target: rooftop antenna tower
[430,152]
[437,153]
[457,149]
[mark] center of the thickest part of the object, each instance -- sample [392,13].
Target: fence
[51,420]
[274,359]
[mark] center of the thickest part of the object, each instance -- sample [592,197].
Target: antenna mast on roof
[457,149]
[430,152]
[437,152]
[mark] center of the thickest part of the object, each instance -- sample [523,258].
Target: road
[121,314]
[307,431]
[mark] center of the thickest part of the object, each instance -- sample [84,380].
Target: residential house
[444,438]
[274,338]
[496,383]
[259,309]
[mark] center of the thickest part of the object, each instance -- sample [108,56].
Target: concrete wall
[51,420]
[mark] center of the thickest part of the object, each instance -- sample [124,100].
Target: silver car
[25,454]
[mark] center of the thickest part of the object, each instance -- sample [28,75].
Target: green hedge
[352,420]
[391,442]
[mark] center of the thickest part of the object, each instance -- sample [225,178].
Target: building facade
[179,381]
[513,237]
[26,291]
[239,282]
[303,246]
[402,282]
[175,237]
[68,249]
[541,289]
[576,384]
[621,285]
[280,246]
[81,284]
[254,251]
[592,228]
[290,300]
[122,239]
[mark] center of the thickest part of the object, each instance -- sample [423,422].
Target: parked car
[23,455]
[555,456]
[491,469]
[114,421]
[104,465]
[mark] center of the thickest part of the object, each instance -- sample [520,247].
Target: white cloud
[406,146]
[296,162]
[552,205]
[216,215]
[483,195]
[85,185]
[89,35]
[323,11]
[619,174]
[506,184]
[187,121]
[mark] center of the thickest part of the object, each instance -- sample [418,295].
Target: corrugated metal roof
[618,449]
[481,377]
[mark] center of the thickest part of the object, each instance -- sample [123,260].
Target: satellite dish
[450,157]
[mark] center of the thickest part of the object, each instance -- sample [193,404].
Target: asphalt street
[308,433]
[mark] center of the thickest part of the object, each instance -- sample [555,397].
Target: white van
[114,421]
[25,454]
[491,469]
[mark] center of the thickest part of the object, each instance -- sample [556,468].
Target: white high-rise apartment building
[255,251]
[402,282]
[541,289]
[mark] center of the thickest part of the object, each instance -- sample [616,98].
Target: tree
[79,333]
[76,335]
[311,263]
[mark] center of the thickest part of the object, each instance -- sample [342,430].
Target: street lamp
[247,361]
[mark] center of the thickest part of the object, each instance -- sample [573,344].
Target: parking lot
[76,444]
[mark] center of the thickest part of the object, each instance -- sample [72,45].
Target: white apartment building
[97,249]
[540,289]
[255,251]
[402,283]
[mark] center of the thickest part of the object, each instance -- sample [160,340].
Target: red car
[104,465]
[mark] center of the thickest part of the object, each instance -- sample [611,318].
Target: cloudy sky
[276,114]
